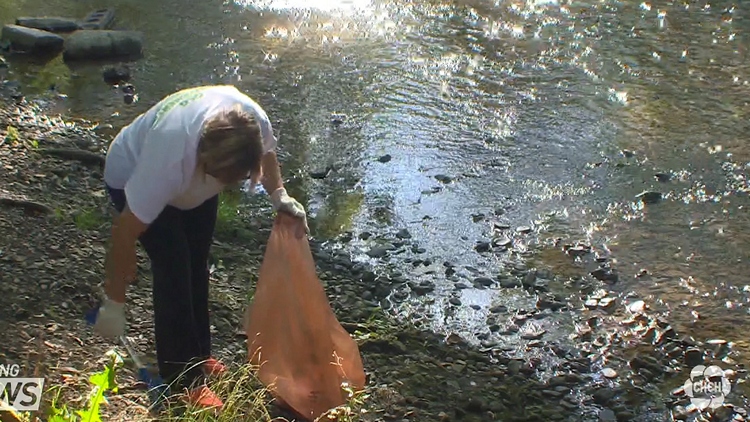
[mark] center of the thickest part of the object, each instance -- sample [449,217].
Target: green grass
[245,399]
[89,219]
[228,216]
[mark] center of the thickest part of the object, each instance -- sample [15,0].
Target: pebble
[377,252]
[484,281]
[649,197]
[523,229]
[607,415]
[483,246]
[693,357]
[609,373]
[403,234]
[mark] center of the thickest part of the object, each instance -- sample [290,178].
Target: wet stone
[607,415]
[442,178]
[514,367]
[454,301]
[663,177]
[609,373]
[385,158]
[482,246]
[403,234]
[377,252]
[649,197]
[605,274]
[603,396]
[499,309]
[523,229]
[693,357]
[484,281]
[504,243]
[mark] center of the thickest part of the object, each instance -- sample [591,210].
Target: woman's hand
[282,202]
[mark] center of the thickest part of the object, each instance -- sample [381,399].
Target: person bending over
[163,173]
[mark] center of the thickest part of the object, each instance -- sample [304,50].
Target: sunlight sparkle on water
[321,5]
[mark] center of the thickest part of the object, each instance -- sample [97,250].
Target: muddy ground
[54,223]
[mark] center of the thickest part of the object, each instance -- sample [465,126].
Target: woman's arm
[120,262]
[271,172]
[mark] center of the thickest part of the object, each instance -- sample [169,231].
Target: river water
[547,114]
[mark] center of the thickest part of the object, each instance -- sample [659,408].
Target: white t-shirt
[154,157]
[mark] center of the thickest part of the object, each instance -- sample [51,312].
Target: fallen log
[29,206]
[85,157]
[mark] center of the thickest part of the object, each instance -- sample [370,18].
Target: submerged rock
[115,75]
[96,44]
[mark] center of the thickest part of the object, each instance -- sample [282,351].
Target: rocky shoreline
[621,363]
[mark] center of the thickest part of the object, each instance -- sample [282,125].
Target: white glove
[110,322]
[281,201]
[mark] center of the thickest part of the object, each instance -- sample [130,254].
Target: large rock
[49,23]
[102,44]
[32,40]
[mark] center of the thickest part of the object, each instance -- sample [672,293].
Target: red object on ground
[303,352]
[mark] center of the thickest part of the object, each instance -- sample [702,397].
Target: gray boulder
[92,44]
[49,23]
[32,40]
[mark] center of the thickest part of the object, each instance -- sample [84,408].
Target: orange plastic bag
[303,352]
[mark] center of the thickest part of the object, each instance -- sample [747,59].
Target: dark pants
[177,243]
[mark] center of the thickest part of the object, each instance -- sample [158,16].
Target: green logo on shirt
[179,98]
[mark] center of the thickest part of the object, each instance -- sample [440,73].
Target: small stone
[385,158]
[607,415]
[649,197]
[482,246]
[442,178]
[484,281]
[523,229]
[606,302]
[403,234]
[377,252]
[514,366]
[533,335]
[637,307]
[498,309]
[604,274]
[338,118]
[578,250]
[609,373]
[693,357]
[663,177]
[454,301]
